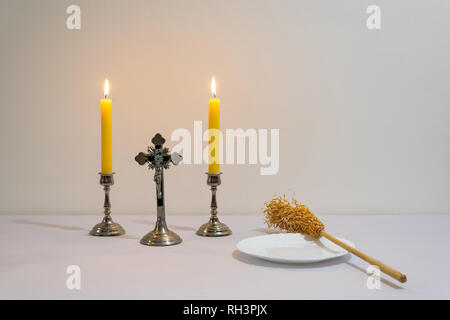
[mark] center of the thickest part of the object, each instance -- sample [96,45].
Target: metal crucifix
[158,158]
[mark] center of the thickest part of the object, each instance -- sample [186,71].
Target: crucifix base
[161,236]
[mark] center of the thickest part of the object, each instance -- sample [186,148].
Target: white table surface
[35,252]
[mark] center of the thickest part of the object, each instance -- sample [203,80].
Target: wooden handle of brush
[386,269]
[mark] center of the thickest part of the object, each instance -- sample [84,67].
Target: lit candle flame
[106,88]
[213,87]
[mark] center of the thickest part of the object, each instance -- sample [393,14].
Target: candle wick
[106,96]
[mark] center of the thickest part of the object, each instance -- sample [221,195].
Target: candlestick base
[161,236]
[107,228]
[213,228]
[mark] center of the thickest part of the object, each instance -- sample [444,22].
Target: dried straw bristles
[294,217]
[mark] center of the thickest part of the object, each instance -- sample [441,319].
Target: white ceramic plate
[292,248]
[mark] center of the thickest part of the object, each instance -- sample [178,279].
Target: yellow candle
[214,127]
[106,119]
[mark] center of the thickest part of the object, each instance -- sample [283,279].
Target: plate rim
[291,261]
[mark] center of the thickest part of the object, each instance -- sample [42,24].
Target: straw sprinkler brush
[297,218]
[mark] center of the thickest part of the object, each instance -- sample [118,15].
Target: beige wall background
[363,115]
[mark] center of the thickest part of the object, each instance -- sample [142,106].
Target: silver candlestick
[107,227]
[158,158]
[214,228]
